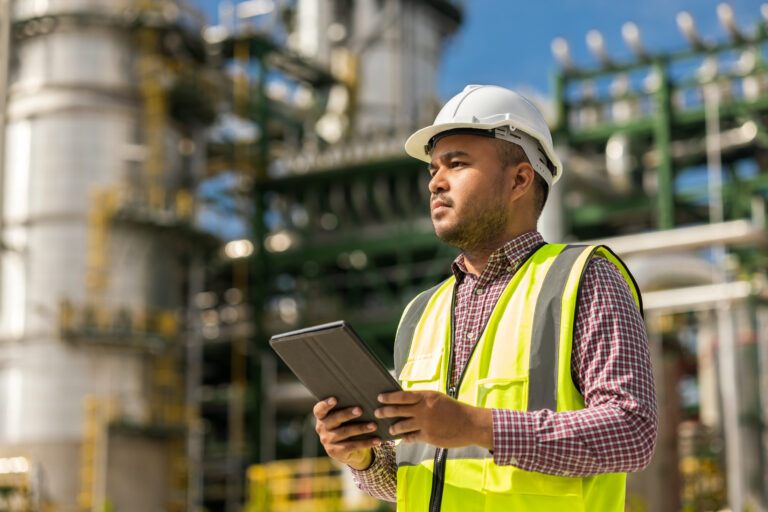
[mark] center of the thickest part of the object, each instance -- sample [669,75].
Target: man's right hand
[335,437]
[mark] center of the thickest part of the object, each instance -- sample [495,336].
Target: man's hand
[437,419]
[335,437]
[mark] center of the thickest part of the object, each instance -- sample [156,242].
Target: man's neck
[475,260]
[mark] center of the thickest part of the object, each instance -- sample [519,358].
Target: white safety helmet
[495,112]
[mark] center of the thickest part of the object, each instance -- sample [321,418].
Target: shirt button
[566,473]
[513,460]
[471,336]
[479,291]
[508,269]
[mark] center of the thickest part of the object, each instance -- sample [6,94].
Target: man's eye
[458,164]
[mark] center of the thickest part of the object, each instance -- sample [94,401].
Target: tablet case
[332,360]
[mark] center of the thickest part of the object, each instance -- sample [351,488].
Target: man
[526,376]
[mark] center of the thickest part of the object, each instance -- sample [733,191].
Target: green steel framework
[362,244]
[658,126]
[661,123]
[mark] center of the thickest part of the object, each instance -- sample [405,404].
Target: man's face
[470,192]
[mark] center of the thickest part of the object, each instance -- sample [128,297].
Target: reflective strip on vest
[521,362]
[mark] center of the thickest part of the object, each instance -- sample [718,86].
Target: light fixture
[278,242]
[238,249]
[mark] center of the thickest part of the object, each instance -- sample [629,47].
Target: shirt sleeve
[610,364]
[380,479]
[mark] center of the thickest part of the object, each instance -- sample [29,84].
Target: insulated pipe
[596,45]
[728,21]
[631,34]
[688,28]
[562,53]
[5,37]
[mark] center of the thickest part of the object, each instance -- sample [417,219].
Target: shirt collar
[513,253]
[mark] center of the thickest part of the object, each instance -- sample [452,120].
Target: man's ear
[523,176]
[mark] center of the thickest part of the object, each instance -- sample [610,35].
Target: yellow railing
[97,413]
[15,492]
[95,321]
[302,485]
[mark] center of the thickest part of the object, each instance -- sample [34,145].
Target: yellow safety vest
[522,361]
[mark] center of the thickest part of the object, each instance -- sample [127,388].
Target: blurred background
[181,179]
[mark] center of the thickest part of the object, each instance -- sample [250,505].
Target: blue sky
[507,42]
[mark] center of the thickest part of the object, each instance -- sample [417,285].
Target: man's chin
[447,235]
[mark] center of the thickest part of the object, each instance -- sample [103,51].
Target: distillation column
[74,144]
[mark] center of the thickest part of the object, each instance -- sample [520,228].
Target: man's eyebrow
[447,156]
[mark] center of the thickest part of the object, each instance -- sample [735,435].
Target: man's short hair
[511,154]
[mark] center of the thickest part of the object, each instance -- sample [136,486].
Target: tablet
[332,360]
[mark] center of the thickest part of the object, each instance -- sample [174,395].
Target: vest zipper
[438,473]
[441,454]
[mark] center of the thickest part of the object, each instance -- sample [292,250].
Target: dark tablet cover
[332,360]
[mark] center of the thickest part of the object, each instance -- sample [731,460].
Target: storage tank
[88,303]
[397,47]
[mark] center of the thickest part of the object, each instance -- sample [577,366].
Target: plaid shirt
[610,365]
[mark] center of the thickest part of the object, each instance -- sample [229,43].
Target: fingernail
[331,401]
[356,411]
[377,413]
[376,442]
[371,426]
[380,398]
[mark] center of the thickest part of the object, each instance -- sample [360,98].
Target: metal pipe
[699,297]
[5,36]
[269,401]
[761,334]
[726,335]
[662,135]
[194,355]
[733,233]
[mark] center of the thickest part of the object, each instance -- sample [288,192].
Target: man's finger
[403,427]
[345,432]
[323,407]
[346,447]
[400,397]
[336,418]
[394,411]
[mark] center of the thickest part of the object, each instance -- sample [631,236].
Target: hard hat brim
[417,142]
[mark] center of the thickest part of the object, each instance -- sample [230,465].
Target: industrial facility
[174,190]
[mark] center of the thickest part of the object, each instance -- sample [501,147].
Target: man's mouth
[439,203]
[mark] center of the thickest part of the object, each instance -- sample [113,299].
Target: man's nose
[438,183]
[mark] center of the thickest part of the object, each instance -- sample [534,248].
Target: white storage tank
[73,128]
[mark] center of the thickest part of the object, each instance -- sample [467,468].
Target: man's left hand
[437,419]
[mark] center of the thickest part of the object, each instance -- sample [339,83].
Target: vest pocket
[421,371]
[511,480]
[502,393]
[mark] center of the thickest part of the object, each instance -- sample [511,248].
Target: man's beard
[482,231]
